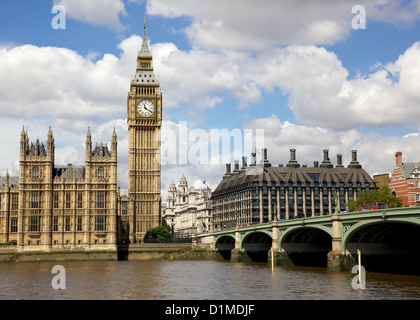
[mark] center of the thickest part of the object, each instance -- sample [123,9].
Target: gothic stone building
[48,207]
[261,192]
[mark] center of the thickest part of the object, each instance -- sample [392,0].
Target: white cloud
[252,25]
[320,92]
[99,12]
[397,12]
[61,84]
[375,152]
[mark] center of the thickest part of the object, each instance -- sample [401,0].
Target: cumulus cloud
[250,25]
[321,94]
[318,87]
[375,152]
[61,84]
[99,12]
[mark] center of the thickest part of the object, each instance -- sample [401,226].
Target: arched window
[101,173]
[35,173]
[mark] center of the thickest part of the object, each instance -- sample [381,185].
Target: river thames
[195,280]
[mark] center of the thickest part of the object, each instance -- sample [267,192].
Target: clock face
[145,108]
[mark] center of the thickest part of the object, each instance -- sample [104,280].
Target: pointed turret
[23,142]
[7,182]
[144,50]
[88,145]
[50,145]
[114,144]
[144,75]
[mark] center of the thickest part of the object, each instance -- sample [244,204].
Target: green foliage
[10,243]
[381,195]
[166,225]
[159,232]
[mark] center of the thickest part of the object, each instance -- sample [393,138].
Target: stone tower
[144,119]
[36,167]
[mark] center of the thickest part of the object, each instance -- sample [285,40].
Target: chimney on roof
[244,163]
[227,168]
[253,159]
[236,165]
[339,160]
[354,163]
[264,160]
[316,164]
[326,163]
[398,159]
[292,162]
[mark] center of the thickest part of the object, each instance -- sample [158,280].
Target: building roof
[37,149]
[101,150]
[144,50]
[69,173]
[293,175]
[13,182]
[408,168]
[145,77]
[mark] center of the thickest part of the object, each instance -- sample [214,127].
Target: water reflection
[213,280]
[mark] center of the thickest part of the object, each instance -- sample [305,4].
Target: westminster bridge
[389,240]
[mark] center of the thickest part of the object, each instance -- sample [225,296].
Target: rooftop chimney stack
[326,155]
[244,163]
[236,165]
[253,159]
[398,159]
[339,160]
[264,160]
[354,163]
[292,161]
[326,163]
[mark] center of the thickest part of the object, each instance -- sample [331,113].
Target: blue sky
[296,69]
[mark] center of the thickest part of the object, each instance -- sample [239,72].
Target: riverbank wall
[144,251]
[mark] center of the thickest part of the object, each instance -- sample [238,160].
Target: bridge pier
[237,255]
[281,258]
[337,259]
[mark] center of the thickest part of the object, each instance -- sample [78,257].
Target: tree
[159,232]
[381,195]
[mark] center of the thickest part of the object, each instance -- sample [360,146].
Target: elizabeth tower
[144,119]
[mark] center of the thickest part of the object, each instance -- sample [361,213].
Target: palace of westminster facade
[81,207]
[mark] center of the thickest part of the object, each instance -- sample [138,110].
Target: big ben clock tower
[144,119]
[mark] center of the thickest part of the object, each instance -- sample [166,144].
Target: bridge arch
[386,245]
[224,244]
[257,244]
[307,245]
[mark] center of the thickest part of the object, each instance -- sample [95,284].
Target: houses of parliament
[49,207]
